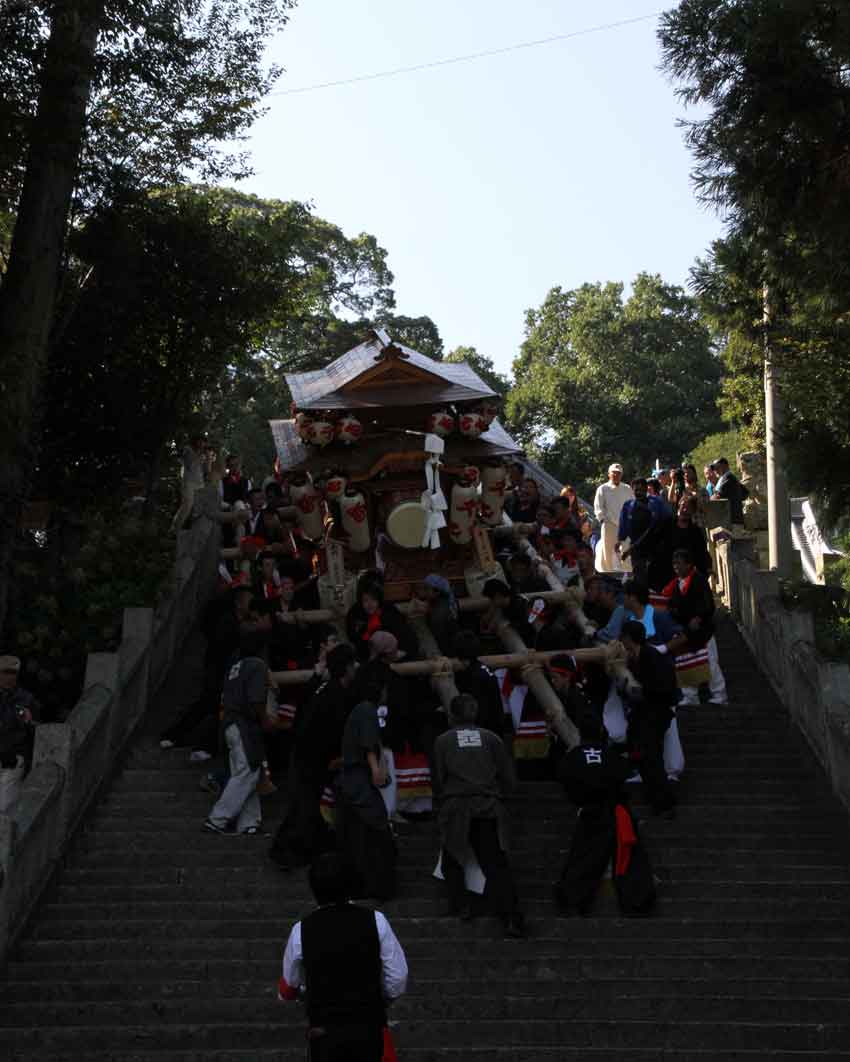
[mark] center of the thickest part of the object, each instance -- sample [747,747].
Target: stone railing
[815,691]
[74,758]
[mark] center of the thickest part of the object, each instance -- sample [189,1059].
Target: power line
[471,57]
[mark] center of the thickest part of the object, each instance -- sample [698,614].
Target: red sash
[626,840]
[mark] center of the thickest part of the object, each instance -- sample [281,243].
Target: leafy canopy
[600,378]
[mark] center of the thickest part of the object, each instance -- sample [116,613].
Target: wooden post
[442,682]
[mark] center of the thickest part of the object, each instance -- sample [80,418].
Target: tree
[187,73]
[30,282]
[484,366]
[770,79]
[198,300]
[599,378]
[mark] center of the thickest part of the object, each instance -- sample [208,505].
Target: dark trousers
[303,834]
[500,892]
[354,1043]
[646,746]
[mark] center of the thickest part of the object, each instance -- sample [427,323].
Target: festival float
[399,463]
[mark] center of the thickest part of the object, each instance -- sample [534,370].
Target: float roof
[381,373]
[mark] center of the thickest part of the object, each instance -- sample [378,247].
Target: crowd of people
[363,748]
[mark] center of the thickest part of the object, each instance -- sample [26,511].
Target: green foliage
[830,609]
[769,78]
[484,366]
[72,604]
[195,302]
[176,83]
[599,378]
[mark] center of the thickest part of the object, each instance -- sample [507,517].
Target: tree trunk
[30,286]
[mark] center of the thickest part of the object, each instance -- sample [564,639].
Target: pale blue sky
[492,181]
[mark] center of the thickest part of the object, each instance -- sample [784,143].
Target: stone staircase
[158,942]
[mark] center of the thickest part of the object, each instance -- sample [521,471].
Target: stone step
[575,1033]
[210,940]
[468,1053]
[433,992]
[177,902]
[231,1011]
[118,883]
[537,963]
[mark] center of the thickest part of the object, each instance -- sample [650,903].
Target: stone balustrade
[73,759]
[815,691]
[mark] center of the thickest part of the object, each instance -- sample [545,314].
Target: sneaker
[634,778]
[211,827]
[253,831]
[720,704]
[199,756]
[166,743]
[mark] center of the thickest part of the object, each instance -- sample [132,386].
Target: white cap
[434,444]
[616,467]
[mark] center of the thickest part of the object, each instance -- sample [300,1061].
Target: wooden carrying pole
[538,683]
[414,609]
[441,667]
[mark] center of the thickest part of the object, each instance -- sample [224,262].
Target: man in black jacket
[350,965]
[318,729]
[692,607]
[479,682]
[650,713]
[728,486]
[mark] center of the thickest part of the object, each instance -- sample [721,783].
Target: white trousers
[10,785]
[716,681]
[607,558]
[615,722]
[239,798]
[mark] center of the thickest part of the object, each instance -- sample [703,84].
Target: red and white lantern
[493,485]
[335,487]
[355,520]
[349,430]
[321,433]
[441,423]
[463,508]
[309,510]
[471,424]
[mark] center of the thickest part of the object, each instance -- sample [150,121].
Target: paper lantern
[441,423]
[462,511]
[321,433]
[355,520]
[493,484]
[335,487]
[349,429]
[471,424]
[309,512]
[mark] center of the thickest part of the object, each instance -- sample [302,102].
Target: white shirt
[610,500]
[393,962]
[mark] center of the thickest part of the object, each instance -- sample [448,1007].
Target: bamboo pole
[442,678]
[538,683]
[438,666]
[416,609]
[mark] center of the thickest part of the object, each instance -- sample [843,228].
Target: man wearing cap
[19,711]
[607,504]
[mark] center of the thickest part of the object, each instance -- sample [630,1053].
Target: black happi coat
[594,779]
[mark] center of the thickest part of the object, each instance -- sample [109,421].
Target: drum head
[406,525]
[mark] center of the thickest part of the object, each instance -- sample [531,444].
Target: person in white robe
[607,504]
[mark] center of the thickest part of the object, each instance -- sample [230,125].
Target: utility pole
[778,509]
